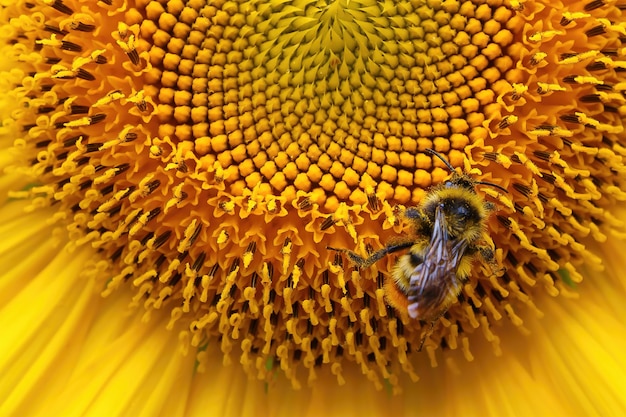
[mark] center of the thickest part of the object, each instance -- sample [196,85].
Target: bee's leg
[488,256]
[429,332]
[413,213]
[374,257]
[489,206]
[487,253]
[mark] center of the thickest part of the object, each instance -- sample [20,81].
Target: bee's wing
[433,283]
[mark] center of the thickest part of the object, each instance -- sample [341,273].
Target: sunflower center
[325,97]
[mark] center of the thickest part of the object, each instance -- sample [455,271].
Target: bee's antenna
[440,156]
[499,187]
[451,168]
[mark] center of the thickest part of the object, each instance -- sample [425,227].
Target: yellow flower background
[175,170]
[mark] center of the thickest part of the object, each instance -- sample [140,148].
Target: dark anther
[153,185]
[175,278]
[543,198]
[116,255]
[252,329]
[532,268]
[153,213]
[380,280]
[76,109]
[160,261]
[199,262]
[251,247]
[593,5]
[339,351]
[133,56]
[146,238]
[55,30]
[566,55]
[121,168]
[93,147]
[548,177]
[596,66]
[590,98]
[543,155]
[130,137]
[58,5]
[570,79]
[554,255]
[358,338]
[45,109]
[85,75]
[82,161]
[97,118]
[372,202]
[564,21]
[328,222]
[71,46]
[83,27]
[374,324]
[570,118]
[338,260]
[72,141]
[524,189]
[181,256]
[161,239]
[604,87]
[305,204]
[319,360]
[234,265]
[490,156]
[504,221]
[400,327]
[610,52]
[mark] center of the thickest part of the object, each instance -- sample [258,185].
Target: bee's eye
[457,209]
[462,210]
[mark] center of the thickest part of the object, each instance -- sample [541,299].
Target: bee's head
[458,210]
[460,216]
[457,213]
[455,205]
[461,181]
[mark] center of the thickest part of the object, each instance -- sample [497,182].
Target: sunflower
[175,172]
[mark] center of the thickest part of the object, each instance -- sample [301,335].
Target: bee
[449,227]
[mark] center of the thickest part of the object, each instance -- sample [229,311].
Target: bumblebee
[449,227]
